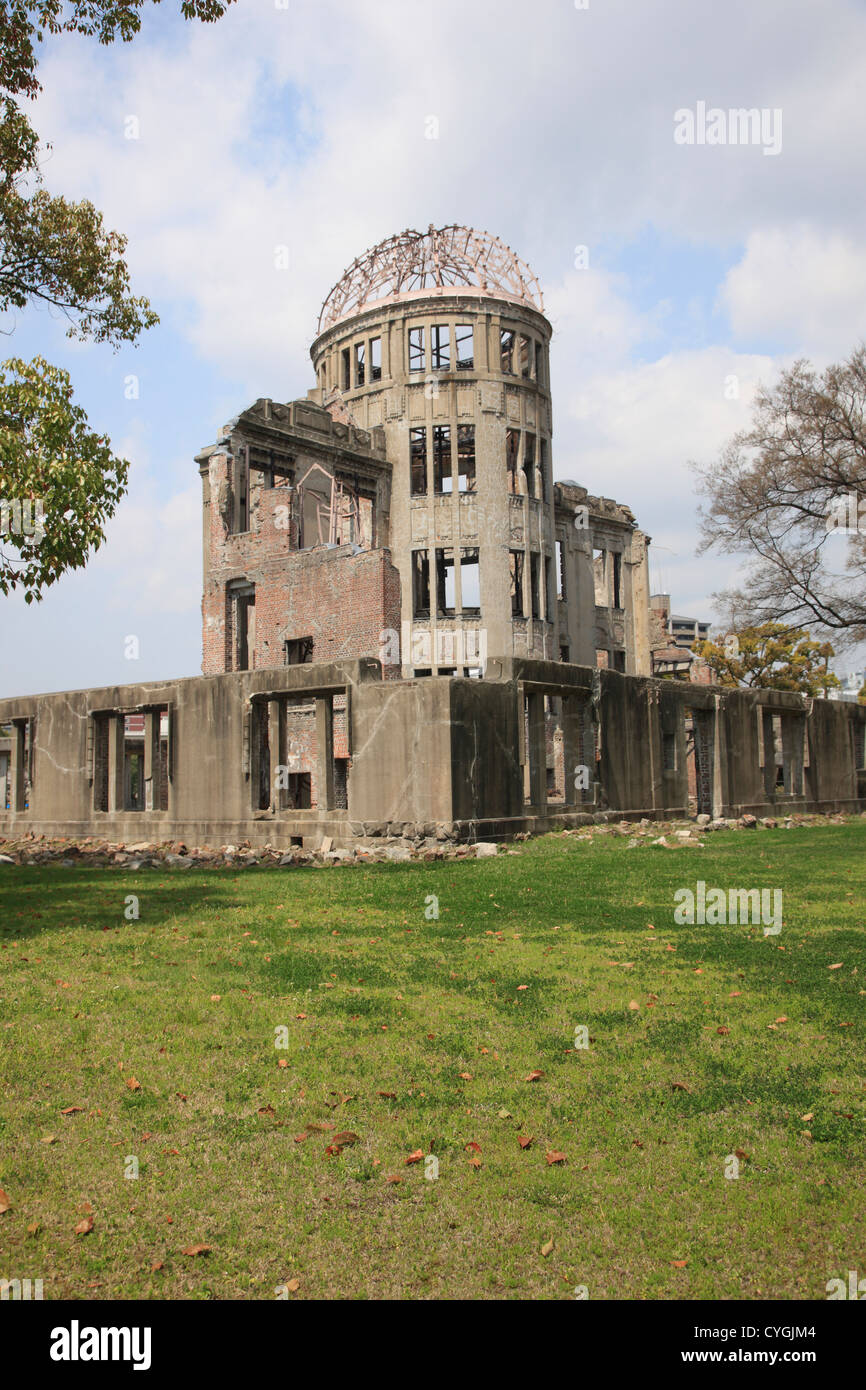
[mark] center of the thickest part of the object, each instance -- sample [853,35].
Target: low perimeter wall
[296,754]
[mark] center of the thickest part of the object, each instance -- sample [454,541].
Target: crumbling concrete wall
[414,756]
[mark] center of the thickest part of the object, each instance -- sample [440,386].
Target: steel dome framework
[440,258]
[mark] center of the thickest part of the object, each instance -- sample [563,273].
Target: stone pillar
[792,752]
[276,744]
[115,762]
[151,760]
[325,752]
[537,752]
[572,747]
[17,771]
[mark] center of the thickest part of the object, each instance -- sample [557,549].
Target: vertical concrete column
[276,744]
[151,760]
[654,748]
[17,778]
[537,751]
[792,752]
[572,747]
[115,762]
[769,743]
[325,752]
[720,759]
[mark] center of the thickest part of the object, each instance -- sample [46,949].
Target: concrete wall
[469,755]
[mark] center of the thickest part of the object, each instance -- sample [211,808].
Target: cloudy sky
[304,124]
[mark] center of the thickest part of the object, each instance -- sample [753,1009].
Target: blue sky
[306,126]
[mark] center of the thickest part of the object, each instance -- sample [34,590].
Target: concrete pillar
[537,752]
[151,760]
[325,752]
[276,744]
[792,752]
[115,762]
[17,771]
[572,747]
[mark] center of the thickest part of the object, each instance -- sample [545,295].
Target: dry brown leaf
[554,1156]
[837,966]
[49,1139]
[394,1178]
[5,1202]
[387,1095]
[414,1157]
[33,1228]
[680,1086]
[534,1076]
[72,1110]
[547,1248]
[807,1118]
[526,1140]
[85,1226]
[133,1084]
[281,1062]
[475,1161]
[723,1032]
[679,1264]
[293,1285]
[346,1138]
[633,1004]
[196,1250]
[159,1265]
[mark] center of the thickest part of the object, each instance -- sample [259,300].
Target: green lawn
[448,1018]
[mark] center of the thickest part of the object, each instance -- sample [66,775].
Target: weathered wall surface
[416,755]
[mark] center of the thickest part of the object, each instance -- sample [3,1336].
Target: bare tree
[789,494]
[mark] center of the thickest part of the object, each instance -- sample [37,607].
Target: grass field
[417,1034]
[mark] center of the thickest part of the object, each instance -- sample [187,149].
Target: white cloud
[802,287]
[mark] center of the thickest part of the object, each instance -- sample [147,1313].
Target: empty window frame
[443,481]
[420,584]
[516,559]
[526,357]
[599,569]
[360,363]
[440,347]
[243,623]
[465,347]
[548,586]
[512,448]
[466,458]
[529,464]
[418,461]
[346,374]
[618,661]
[535,583]
[101,734]
[299,651]
[564,653]
[375,359]
[446,592]
[617,579]
[561,591]
[539,363]
[470,583]
[417,356]
[506,351]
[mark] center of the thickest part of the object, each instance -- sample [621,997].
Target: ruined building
[408,626]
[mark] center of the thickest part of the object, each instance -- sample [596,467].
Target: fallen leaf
[281,1062]
[333,1150]
[33,1228]
[554,1156]
[215,998]
[72,1110]
[679,1264]
[387,1095]
[741,1155]
[293,1285]
[465,1076]
[5,1203]
[49,1139]
[680,1086]
[133,1084]
[476,1148]
[534,1076]
[807,1118]
[394,1177]
[475,1161]
[633,1004]
[84,1227]
[267,1110]
[414,1157]
[783,1018]
[504,1114]
[196,1250]
[346,1138]
[315,1128]
[525,1140]
[837,966]
[723,1031]
[159,1265]
[547,1248]
[299,1138]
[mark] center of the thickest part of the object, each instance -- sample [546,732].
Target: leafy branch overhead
[58,253]
[47,452]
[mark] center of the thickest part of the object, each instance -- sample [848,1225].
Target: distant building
[672,639]
[850,687]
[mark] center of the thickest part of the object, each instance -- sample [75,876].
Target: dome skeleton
[440,258]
